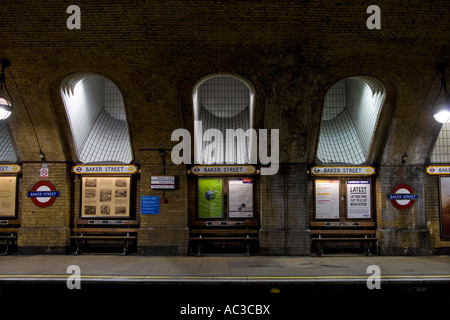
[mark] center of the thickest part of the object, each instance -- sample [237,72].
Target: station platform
[177,284]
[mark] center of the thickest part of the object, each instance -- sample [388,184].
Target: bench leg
[248,245]
[199,247]
[125,248]
[7,247]
[319,250]
[78,250]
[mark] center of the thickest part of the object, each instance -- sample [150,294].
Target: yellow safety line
[212,277]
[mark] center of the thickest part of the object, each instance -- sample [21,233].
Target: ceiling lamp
[6,101]
[441,112]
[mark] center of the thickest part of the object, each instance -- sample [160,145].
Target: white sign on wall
[240,198]
[358,199]
[327,199]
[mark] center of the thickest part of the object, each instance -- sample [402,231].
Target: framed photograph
[105,197]
[8,186]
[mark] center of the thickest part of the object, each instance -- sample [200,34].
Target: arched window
[223,108]
[441,150]
[7,150]
[349,119]
[96,113]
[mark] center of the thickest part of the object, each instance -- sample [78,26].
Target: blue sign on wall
[149,204]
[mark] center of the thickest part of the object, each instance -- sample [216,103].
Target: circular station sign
[402,197]
[43,194]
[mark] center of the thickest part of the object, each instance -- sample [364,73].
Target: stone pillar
[166,233]
[284,215]
[44,230]
[401,232]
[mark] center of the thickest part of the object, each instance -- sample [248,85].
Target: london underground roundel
[402,197]
[43,194]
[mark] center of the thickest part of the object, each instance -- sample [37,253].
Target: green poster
[210,198]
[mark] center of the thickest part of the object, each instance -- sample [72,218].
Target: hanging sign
[43,194]
[105,169]
[225,169]
[402,197]
[10,168]
[342,171]
[358,199]
[438,170]
[162,182]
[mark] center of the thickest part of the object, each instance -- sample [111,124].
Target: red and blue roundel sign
[402,197]
[43,194]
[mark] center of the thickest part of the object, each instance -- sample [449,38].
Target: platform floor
[169,284]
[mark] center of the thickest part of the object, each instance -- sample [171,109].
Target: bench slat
[344,232]
[330,224]
[197,231]
[102,237]
[105,230]
[9,230]
[344,239]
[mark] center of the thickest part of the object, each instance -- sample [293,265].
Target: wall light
[6,102]
[441,112]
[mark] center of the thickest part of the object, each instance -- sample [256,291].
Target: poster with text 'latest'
[240,198]
[358,199]
[327,199]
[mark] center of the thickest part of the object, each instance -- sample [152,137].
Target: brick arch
[404,86]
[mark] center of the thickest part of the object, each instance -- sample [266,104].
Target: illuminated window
[349,118]
[223,102]
[7,150]
[97,119]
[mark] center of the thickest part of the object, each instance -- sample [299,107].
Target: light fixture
[441,112]
[6,102]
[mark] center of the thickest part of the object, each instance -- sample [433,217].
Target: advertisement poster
[210,198]
[240,198]
[445,206]
[358,199]
[327,199]
[107,197]
[8,196]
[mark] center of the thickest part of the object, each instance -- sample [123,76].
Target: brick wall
[291,52]
[45,230]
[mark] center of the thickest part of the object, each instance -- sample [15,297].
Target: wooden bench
[92,229]
[363,232]
[223,231]
[8,232]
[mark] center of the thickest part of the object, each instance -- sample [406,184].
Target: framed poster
[240,197]
[210,203]
[358,199]
[8,196]
[444,188]
[327,199]
[107,197]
